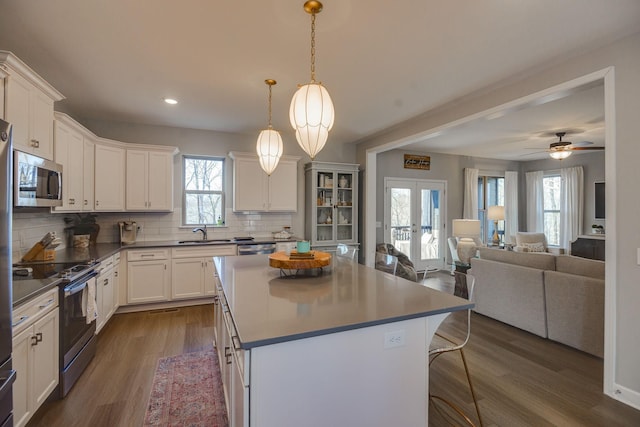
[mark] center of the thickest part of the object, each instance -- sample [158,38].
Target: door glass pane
[429,224]
[401,219]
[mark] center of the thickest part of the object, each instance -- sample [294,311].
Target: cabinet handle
[46,304]
[72,201]
[97,203]
[86,202]
[35,143]
[227,355]
[115,274]
[147,255]
[106,282]
[20,321]
[36,339]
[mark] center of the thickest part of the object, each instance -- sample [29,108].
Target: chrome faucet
[204,231]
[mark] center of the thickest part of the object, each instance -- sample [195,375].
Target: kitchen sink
[202,242]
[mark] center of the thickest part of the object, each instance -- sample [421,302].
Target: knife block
[46,255]
[39,253]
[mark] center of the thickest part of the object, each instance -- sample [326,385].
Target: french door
[414,216]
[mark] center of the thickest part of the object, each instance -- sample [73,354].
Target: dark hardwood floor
[115,388]
[520,379]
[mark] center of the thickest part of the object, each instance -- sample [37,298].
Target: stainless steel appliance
[252,248]
[7,374]
[77,337]
[36,181]
[128,232]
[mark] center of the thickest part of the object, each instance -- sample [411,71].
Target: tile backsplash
[30,227]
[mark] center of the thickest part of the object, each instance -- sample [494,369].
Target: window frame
[487,225]
[558,211]
[221,192]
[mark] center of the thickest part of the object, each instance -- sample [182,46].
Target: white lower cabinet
[35,354]
[148,276]
[233,361]
[107,290]
[192,270]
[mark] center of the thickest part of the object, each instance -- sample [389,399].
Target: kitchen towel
[89,305]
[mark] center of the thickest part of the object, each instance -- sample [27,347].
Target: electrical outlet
[394,339]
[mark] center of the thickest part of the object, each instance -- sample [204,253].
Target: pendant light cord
[270,107]
[313,48]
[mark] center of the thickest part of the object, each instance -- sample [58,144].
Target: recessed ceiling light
[170,101]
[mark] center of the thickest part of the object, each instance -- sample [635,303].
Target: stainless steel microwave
[36,181]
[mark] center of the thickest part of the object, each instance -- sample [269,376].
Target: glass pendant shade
[311,115]
[560,154]
[269,149]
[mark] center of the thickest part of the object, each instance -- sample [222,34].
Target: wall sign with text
[412,161]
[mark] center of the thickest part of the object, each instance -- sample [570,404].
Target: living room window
[490,193]
[203,190]
[551,185]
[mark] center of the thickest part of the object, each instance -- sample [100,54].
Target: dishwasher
[250,248]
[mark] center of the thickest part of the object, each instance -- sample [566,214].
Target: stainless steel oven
[77,336]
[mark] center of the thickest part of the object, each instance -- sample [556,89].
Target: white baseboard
[625,395]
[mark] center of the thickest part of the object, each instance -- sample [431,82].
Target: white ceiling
[382,62]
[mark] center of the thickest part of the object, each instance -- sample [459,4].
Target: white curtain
[510,206]
[571,204]
[470,207]
[535,201]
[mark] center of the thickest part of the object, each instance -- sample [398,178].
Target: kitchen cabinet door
[210,277]
[109,178]
[88,174]
[69,152]
[104,297]
[149,181]
[31,113]
[148,281]
[283,187]
[187,278]
[45,357]
[20,356]
[255,191]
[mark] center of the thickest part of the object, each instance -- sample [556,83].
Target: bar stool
[455,345]
[387,263]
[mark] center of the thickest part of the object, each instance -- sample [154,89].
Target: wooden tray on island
[284,261]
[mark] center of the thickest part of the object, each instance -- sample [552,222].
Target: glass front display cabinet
[331,204]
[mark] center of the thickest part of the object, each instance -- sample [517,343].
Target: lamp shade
[311,115]
[495,213]
[466,228]
[269,149]
[559,154]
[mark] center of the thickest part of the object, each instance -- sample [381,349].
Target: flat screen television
[599,193]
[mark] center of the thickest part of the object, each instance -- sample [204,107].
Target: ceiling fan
[562,149]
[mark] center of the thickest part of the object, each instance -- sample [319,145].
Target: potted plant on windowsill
[597,229]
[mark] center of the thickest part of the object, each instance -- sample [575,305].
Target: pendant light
[269,145]
[311,112]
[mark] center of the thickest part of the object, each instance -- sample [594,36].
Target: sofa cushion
[511,294]
[581,266]
[539,260]
[534,247]
[575,311]
[523,237]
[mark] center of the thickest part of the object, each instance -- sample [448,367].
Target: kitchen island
[342,346]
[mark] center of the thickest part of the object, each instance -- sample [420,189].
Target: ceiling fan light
[269,148]
[559,154]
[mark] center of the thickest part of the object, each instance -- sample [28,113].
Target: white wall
[622,372]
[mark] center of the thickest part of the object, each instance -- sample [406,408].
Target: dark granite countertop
[268,308]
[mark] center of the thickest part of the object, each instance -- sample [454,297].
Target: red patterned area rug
[187,391]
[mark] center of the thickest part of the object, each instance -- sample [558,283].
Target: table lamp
[466,230]
[495,214]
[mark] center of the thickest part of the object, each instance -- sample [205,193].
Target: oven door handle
[74,288]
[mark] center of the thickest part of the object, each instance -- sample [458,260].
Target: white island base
[345,379]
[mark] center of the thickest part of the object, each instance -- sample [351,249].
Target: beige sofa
[559,297]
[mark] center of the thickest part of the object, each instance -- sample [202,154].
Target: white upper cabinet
[254,190]
[69,152]
[109,177]
[88,175]
[149,180]
[29,107]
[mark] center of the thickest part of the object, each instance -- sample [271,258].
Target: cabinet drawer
[148,255]
[26,314]
[204,252]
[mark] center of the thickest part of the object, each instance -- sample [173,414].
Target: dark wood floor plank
[520,379]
